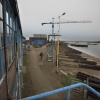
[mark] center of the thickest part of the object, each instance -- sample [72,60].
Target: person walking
[41,55]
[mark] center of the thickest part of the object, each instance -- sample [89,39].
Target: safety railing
[67,88]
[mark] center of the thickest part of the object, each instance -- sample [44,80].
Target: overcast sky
[35,12]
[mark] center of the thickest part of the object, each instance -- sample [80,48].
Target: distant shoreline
[83,41]
[92,50]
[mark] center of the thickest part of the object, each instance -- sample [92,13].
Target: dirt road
[41,82]
[41,76]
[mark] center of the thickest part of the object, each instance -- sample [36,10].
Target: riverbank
[70,59]
[92,58]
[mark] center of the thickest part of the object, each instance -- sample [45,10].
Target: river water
[93,50]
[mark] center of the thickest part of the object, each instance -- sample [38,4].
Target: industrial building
[38,39]
[11,53]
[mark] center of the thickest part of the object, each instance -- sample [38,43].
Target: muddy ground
[40,76]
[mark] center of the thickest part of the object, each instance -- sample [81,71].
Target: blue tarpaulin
[38,42]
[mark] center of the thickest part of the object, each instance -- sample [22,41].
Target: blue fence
[67,88]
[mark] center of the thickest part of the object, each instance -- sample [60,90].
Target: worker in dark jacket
[41,55]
